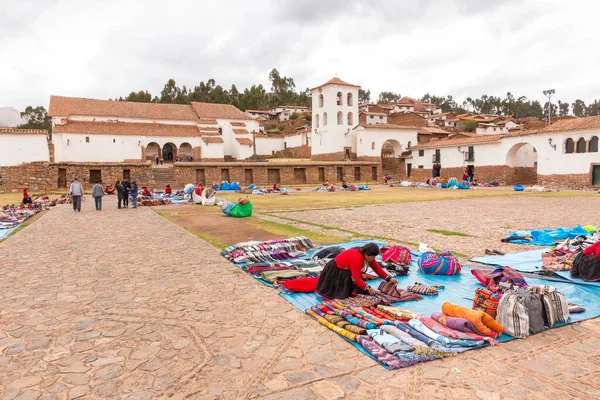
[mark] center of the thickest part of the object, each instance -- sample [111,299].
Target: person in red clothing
[342,276]
[145,191]
[586,265]
[168,189]
[26,198]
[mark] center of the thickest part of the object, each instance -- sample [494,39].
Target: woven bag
[487,301]
[397,255]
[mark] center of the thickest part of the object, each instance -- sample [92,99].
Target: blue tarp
[548,237]
[5,232]
[459,289]
[528,261]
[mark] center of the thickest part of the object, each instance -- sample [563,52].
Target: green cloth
[241,210]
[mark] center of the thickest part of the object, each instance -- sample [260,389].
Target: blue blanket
[547,237]
[5,232]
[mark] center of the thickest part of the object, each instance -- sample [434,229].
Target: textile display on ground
[529,261]
[546,237]
[458,292]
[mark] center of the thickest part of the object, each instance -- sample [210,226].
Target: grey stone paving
[122,304]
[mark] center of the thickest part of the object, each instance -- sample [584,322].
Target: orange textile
[482,321]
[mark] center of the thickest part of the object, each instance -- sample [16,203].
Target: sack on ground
[396,254]
[443,263]
[487,301]
[512,315]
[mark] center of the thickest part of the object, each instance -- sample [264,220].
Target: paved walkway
[124,304]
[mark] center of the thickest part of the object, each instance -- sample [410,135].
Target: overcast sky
[104,49]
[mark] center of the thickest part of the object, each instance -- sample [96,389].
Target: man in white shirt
[76,191]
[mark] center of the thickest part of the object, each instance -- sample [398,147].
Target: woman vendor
[342,275]
[26,198]
[586,265]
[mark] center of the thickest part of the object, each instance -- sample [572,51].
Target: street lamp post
[549,94]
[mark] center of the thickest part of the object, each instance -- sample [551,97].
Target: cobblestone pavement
[124,304]
[486,220]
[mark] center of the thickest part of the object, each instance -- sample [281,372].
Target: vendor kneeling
[342,276]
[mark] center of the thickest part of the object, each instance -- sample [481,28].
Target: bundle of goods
[395,259]
[586,265]
[11,216]
[151,201]
[443,263]
[562,256]
[272,250]
[399,338]
[424,289]
[396,294]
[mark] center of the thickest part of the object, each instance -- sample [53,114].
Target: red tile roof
[335,81]
[571,124]
[208,121]
[389,126]
[238,124]
[219,111]
[240,131]
[127,128]
[17,131]
[212,139]
[373,113]
[426,130]
[66,106]
[245,141]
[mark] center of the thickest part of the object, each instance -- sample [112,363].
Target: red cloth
[353,260]
[168,190]
[302,285]
[593,249]
[146,192]
[199,190]
[25,195]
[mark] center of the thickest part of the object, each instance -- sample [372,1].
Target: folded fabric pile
[272,250]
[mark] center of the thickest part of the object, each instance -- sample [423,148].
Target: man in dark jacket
[120,192]
[97,193]
[134,193]
[126,189]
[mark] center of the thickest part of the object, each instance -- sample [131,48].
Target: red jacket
[593,249]
[353,260]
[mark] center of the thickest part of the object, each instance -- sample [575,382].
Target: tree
[593,109]
[294,116]
[173,94]
[579,108]
[254,98]
[37,118]
[388,97]
[138,97]
[470,126]
[364,96]
[563,109]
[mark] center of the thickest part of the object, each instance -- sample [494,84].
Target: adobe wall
[292,152]
[502,174]
[35,176]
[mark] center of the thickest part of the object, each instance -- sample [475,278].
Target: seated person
[26,198]
[168,189]
[241,209]
[345,185]
[145,191]
[276,187]
[326,184]
[110,190]
[387,178]
[190,158]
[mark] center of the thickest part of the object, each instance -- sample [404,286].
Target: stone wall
[339,156]
[292,152]
[109,172]
[571,181]
[35,176]
[502,174]
[268,173]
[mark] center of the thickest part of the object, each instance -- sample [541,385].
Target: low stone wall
[569,182]
[502,174]
[339,156]
[35,176]
[293,152]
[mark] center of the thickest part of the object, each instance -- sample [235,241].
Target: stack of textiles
[561,257]
[152,202]
[396,337]
[424,289]
[11,216]
[394,294]
[275,273]
[269,251]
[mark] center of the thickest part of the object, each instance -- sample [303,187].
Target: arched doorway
[169,151]
[186,151]
[152,150]
[522,159]
[390,158]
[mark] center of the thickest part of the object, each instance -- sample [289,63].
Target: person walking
[97,193]
[120,192]
[156,159]
[126,188]
[134,193]
[76,191]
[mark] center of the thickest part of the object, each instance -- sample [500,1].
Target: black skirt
[336,283]
[586,268]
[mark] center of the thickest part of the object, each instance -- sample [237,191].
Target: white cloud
[464,48]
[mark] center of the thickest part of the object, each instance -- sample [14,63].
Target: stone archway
[390,158]
[152,150]
[169,151]
[522,161]
[185,151]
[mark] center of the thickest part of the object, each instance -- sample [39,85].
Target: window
[285,145]
[374,175]
[340,173]
[248,176]
[569,146]
[114,140]
[87,139]
[381,117]
[350,119]
[371,117]
[357,173]
[95,176]
[340,117]
[349,100]
[409,144]
[437,156]
[420,167]
[201,176]
[581,145]
[220,131]
[594,144]
[321,174]
[340,101]
[317,120]
[373,146]
[126,175]
[321,100]
[421,153]
[225,174]
[324,119]
[299,175]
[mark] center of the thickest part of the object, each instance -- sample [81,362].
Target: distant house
[370,118]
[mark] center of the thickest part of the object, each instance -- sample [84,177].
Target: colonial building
[19,146]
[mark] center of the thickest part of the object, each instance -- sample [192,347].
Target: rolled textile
[340,331]
[390,342]
[398,312]
[482,321]
[418,346]
[440,349]
[445,340]
[382,355]
[342,323]
[457,324]
[354,320]
[452,334]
